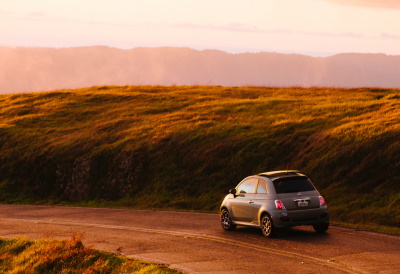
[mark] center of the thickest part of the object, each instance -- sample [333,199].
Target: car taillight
[279,204]
[321,201]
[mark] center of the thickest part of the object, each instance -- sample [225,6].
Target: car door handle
[251,202]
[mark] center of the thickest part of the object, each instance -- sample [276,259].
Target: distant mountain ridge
[41,69]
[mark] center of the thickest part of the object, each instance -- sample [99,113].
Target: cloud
[242,28]
[385,35]
[233,27]
[4,13]
[388,4]
[37,14]
[43,17]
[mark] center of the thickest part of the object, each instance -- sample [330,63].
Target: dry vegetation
[184,147]
[20,255]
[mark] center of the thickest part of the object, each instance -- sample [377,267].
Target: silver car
[273,200]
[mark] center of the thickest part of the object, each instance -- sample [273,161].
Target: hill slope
[40,69]
[184,147]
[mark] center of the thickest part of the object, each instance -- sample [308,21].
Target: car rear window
[293,184]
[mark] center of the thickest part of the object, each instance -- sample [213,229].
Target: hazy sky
[315,27]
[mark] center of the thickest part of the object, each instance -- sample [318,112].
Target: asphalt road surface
[196,243]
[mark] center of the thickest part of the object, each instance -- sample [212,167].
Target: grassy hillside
[20,255]
[184,147]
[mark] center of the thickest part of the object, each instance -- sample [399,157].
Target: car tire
[267,226]
[321,227]
[226,220]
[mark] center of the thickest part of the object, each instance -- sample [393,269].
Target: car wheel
[321,227]
[267,226]
[226,220]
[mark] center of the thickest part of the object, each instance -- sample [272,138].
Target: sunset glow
[314,27]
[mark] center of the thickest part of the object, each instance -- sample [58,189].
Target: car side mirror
[233,191]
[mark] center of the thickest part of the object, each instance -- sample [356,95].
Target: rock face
[75,181]
[124,172]
[90,177]
[42,69]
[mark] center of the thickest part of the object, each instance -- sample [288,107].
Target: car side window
[262,187]
[248,186]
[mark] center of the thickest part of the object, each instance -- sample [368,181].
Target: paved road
[195,242]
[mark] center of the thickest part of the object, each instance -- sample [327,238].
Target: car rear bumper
[313,216]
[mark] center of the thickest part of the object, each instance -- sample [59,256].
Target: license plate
[302,204]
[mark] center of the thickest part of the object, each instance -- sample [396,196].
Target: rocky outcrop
[92,177]
[123,175]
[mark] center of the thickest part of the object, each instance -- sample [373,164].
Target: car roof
[281,174]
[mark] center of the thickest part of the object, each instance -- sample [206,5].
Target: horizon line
[225,50]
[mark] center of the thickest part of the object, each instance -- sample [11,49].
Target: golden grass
[20,255]
[184,146]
